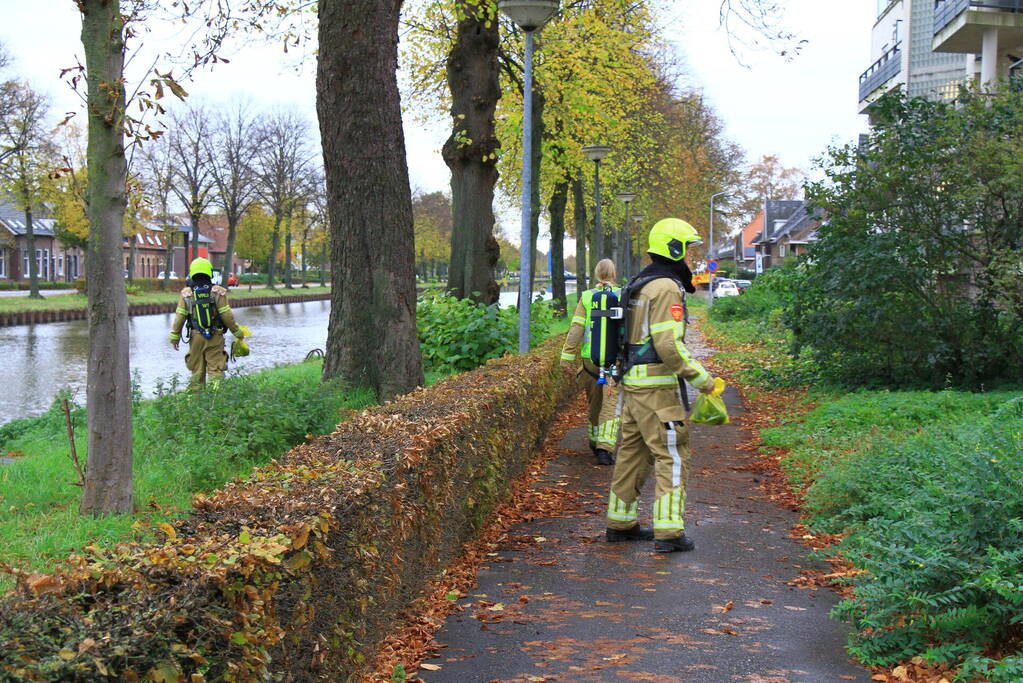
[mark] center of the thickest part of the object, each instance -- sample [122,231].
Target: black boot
[636,533]
[678,544]
[604,457]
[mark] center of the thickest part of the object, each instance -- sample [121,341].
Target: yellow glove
[243,331]
[718,388]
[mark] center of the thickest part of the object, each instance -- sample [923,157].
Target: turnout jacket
[657,320]
[223,310]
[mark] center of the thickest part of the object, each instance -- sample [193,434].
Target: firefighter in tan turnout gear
[654,434]
[204,312]
[602,398]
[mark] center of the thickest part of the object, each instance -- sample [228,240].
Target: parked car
[161,274]
[726,289]
[232,280]
[569,276]
[743,285]
[217,279]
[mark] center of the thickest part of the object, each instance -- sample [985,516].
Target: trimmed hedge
[24,286]
[297,572]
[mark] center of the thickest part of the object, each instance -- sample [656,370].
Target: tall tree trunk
[194,218]
[582,266]
[232,237]
[371,338]
[323,264]
[287,256]
[133,251]
[304,242]
[108,484]
[471,153]
[33,263]
[559,202]
[275,244]
[537,151]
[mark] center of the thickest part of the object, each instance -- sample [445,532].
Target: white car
[161,274]
[726,289]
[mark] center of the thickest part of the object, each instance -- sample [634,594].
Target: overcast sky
[793,109]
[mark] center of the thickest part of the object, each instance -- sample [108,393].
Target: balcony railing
[882,71]
[946,11]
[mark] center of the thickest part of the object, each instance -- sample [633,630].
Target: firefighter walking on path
[603,422]
[654,433]
[205,314]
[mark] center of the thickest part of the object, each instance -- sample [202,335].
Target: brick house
[772,217]
[56,262]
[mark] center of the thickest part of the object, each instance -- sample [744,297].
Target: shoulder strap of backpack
[631,290]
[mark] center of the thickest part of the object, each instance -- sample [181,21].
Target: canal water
[40,360]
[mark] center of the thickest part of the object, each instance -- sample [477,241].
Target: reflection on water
[38,360]
[510,293]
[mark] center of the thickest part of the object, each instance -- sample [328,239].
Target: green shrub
[907,285]
[768,293]
[457,334]
[933,512]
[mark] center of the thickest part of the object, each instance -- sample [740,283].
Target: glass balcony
[881,71]
[946,11]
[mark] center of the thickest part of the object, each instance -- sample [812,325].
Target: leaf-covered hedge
[296,572]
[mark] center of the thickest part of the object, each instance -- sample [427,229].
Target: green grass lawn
[184,443]
[59,302]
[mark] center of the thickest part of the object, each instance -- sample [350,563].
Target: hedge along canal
[40,360]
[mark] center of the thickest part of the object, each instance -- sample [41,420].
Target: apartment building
[931,47]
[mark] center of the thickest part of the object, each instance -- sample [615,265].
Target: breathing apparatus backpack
[609,331]
[606,314]
[202,311]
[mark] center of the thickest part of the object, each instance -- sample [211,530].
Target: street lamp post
[626,241]
[634,265]
[595,153]
[530,15]
[710,249]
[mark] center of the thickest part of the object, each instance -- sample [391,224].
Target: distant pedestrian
[204,313]
[603,423]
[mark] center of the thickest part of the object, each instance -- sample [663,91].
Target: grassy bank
[183,443]
[62,302]
[923,488]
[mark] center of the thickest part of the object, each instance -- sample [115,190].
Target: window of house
[781,251]
[3,263]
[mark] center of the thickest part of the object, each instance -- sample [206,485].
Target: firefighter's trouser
[603,402]
[654,436]
[205,358]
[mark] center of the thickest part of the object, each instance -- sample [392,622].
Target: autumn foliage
[301,569]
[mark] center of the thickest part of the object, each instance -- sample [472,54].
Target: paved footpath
[557,603]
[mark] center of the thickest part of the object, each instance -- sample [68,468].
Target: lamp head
[528,14]
[596,152]
[626,196]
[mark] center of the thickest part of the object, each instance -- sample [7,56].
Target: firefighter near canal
[650,365]
[205,315]
[602,396]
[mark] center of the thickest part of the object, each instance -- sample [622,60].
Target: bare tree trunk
[323,265]
[132,253]
[471,154]
[33,263]
[582,267]
[559,201]
[304,242]
[195,237]
[371,340]
[287,256]
[275,244]
[169,233]
[232,237]
[534,222]
[108,477]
